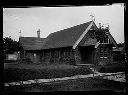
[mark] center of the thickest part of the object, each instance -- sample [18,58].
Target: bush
[112,68]
[15,74]
[102,69]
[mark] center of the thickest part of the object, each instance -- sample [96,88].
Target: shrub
[112,68]
[58,71]
[102,69]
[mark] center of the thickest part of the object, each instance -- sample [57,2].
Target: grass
[18,72]
[40,66]
[92,84]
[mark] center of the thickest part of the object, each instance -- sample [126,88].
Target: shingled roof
[66,37]
[31,43]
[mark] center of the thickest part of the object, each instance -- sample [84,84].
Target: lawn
[90,84]
[19,72]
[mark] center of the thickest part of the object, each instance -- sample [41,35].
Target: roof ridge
[71,27]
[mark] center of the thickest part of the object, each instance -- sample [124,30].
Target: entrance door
[86,53]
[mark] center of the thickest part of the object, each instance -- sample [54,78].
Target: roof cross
[92,17]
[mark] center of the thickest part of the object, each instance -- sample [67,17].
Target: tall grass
[28,72]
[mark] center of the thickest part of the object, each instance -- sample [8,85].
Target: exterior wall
[58,56]
[45,54]
[94,56]
[69,56]
[95,61]
[34,56]
[85,55]
[77,56]
[22,53]
[118,57]
[38,57]
[104,54]
[90,56]
[30,55]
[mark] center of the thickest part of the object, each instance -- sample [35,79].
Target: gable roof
[66,37]
[90,41]
[31,43]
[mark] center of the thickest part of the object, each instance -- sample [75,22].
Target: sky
[52,19]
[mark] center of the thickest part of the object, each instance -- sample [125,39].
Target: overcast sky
[52,19]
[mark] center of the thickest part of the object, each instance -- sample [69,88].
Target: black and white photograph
[74,48]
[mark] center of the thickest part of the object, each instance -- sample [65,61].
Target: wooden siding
[118,56]
[77,56]
[81,55]
[104,54]
[30,55]
[58,56]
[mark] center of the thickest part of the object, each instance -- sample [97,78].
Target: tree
[10,45]
[121,45]
[100,34]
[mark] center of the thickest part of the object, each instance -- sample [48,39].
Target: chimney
[38,33]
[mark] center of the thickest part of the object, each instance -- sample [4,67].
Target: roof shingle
[31,43]
[62,38]
[66,37]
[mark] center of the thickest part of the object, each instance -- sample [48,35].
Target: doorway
[87,54]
